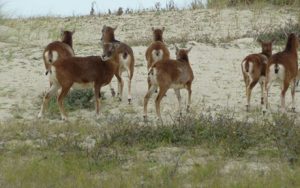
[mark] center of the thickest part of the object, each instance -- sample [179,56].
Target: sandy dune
[220,40]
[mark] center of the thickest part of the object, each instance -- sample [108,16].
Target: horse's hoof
[188,109]
[145,118]
[40,115]
[64,118]
[113,93]
[247,108]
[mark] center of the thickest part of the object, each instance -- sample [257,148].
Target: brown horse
[283,66]
[166,74]
[254,70]
[93,70]
[125,60]
[157,50]
[58,49]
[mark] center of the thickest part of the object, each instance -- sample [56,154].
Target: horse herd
[265,68]
[65,70]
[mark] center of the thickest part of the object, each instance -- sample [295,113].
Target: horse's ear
[163,29]
[188,51]
[153,29]
[73,31]
[115,28]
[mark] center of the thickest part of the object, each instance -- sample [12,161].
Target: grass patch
[235,3]
[286,133]
[2,15]
[76,99]
[198,150]
[280,34]
[221,131]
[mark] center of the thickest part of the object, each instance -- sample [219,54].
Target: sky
[33,8]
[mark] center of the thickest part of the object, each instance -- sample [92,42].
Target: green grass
[2,15]
[235,3]
[76,99]
[211,150]
[280,34]
[201,150]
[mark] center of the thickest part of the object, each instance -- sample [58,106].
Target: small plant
[92,12]
[157,6]
[120,11]
[171,5]
[286,135]
[217,3]
[196,4]
[2,15]
[280,34]
[129,11]
[234,3]
[9,56]
[237,2]
[77,99]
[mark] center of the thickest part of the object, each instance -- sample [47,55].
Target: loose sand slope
[220,40]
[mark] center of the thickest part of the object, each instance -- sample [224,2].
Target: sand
[220,40]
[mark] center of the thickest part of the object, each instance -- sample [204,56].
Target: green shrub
[196,4]
[286,134]
[127,152]
[229,3]
[224,131]
[2,15]
[280,34]
[76,99]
